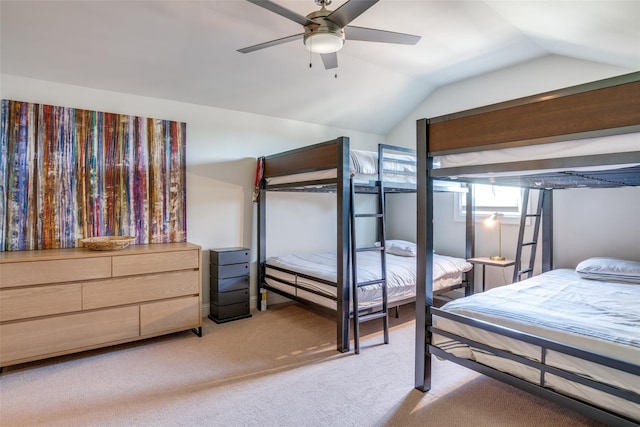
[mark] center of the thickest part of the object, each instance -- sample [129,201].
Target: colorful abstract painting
[67,174]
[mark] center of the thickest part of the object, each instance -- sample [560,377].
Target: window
[490,199]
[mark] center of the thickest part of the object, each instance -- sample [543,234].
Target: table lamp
[490,222]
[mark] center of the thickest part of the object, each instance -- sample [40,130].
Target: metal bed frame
[602,108]
[333,154]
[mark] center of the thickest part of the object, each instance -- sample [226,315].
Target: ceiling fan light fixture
[321,42]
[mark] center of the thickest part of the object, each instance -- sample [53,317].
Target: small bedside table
[229,284]
[492,262]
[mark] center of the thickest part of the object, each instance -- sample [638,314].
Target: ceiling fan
[325,31]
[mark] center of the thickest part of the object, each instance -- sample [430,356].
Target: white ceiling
[187,51]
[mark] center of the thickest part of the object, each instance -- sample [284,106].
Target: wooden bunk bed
[603,117]
[327,167]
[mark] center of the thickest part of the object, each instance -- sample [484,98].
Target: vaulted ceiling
[187,51]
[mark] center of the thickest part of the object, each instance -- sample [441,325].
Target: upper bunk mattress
[399,169]
[623,143]
[612,161]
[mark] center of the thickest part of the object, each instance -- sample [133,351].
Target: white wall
[222,147]
[602,222]
[582,226]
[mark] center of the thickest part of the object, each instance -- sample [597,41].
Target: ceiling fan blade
[381,36]
[330,60]
[350,11]
[271,43]
[282,11]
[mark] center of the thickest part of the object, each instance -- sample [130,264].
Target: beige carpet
[277,368]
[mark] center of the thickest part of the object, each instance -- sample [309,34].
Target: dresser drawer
[230,284]
[53,271]
[231,270]
[231,311]
[129,290]
[61,334]
[155,263]
[229,256]
[173,315]
[22,303]
[231,297]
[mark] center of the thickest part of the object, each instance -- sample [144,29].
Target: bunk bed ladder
[382,313]
[518,270]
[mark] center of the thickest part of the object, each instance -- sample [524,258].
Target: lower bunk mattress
[597,316]
[312,276]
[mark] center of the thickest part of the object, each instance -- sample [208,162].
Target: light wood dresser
[61,301]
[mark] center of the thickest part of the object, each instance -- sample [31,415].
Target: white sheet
[401,275]
[584,147]
[366,162]
[601,317]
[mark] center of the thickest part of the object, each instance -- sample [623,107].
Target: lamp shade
[324,42]
[491,220]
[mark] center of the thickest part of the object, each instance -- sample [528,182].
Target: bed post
[262,239]
[470,242]
[424,280]
[343,280]
[547,230]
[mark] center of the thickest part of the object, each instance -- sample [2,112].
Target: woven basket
[107,243]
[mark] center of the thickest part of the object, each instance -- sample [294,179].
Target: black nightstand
[483,261]
[229,284]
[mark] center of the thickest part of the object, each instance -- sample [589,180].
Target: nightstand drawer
[231,311]
[230,284]
[231,270]
[232,297]
[229,256]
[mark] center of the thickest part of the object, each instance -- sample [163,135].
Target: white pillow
[613,269]
[400,247]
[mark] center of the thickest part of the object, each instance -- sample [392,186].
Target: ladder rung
[371,282]
[533,242]
[372,316]
[369,215]
[533,215]
[521,272]
[370,249]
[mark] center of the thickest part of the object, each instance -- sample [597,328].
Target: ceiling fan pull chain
[310,59]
